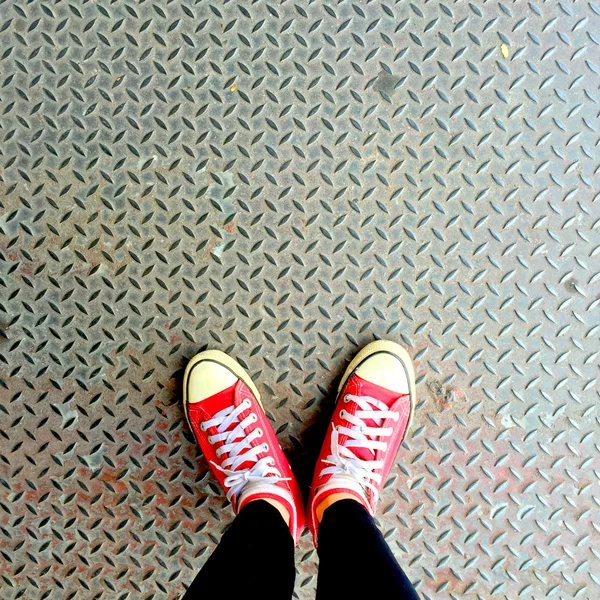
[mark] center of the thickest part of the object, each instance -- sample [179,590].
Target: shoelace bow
[360,435]
[239,450]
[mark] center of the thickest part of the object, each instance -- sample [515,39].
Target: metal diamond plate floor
[287,181]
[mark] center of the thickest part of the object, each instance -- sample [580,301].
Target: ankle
[280,507]
[330,500]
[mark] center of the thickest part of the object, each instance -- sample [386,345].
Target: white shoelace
[342,460]
[236,441]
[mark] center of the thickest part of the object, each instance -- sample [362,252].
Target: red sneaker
[223,408]
[373,413]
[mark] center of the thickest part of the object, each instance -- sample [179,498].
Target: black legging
[255,559]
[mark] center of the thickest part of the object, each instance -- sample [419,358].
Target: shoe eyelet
[203,426]
[343,413]
[265,447]
[247,402]
[346,399]
[211,440]
[259,431]
[254,418]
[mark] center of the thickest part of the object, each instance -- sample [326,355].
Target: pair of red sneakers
[373,412]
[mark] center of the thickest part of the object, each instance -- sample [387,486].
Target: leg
[348,531]
[255,559]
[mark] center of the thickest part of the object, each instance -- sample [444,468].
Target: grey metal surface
[286,181]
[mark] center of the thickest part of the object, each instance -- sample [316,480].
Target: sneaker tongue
[362,387]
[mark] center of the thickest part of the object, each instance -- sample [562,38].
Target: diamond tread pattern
[287,181]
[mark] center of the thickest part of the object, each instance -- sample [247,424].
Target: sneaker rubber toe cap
[385,370]
[208,378]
